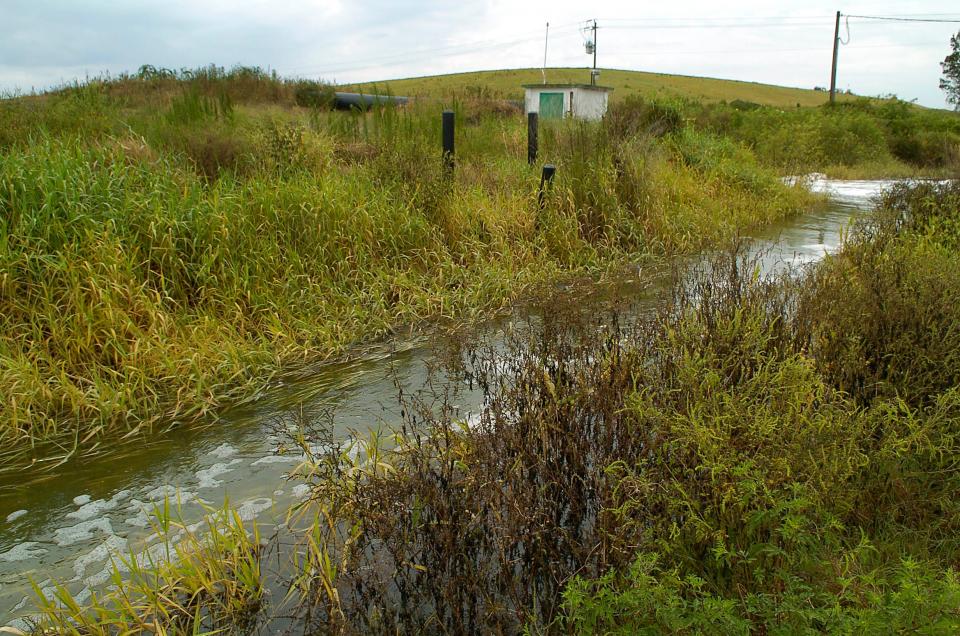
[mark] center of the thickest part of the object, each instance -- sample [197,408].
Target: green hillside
[507,83]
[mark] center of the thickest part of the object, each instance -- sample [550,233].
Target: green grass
[754,456]
[774,456]
[791,129]
[205,580]
[167,246]
[171,240]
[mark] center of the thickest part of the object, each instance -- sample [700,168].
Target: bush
[636,116]
[888,305]
[313,94]
[850,137]
[690,471]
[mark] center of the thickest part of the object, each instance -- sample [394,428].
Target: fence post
[532,124]
[448,149]
[546,178]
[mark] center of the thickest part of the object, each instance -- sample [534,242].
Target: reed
[205,579]
[163,257]
[704,466]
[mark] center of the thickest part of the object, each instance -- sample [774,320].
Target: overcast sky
[45,42]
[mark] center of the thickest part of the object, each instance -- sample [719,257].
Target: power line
[732,25]
[456,49]
[719,19]
[949,17]
[419,54]
[641,23]
[887,18]
[661,52]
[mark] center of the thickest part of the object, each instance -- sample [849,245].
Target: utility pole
[836,50]
[593,75]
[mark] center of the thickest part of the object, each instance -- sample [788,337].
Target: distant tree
[950,82]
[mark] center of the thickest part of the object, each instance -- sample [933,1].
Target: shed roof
[592,87]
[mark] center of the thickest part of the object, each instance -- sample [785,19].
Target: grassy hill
[507,84]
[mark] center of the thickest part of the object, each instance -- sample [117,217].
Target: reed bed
[753,455]
[200,578]
[169,242]
[756,456]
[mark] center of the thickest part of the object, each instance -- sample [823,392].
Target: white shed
[554,101]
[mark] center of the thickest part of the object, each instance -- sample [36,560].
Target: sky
[47,42]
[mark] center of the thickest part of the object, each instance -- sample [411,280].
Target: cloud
[48,41]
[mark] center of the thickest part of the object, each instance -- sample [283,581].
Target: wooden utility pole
[594,45]
[836,50]
[593,75]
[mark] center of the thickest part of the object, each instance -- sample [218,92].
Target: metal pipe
[362,101]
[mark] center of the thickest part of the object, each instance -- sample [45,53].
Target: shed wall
[590,105]
[587,104]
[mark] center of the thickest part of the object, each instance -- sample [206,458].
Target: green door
[551,105]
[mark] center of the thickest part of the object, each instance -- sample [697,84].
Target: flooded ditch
[64,524]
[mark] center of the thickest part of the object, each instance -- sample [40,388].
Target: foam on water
[22,552]
[207,478]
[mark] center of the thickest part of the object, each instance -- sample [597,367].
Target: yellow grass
[507,84]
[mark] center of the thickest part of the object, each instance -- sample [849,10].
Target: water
[65,524]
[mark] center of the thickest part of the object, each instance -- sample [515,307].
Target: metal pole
[532,124]
[448,150]
[546,39]
[836,50]
[546,178]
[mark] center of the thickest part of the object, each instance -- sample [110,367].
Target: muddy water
[65,524]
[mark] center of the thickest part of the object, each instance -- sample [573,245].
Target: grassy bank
[759,456]
[755,456]
[856,139]
[791,129]
[168,241]
[507,84]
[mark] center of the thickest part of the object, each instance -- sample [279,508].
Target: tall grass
[857,138]
[205,579]
[699,469]
[161,262]
[708,466]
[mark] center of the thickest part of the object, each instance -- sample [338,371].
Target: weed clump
[192,580]
[170,239]
[701,467]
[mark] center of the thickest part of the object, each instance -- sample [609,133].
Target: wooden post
[448,147]
[836,50]
[532,124]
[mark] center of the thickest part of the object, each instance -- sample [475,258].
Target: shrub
[310,94]
[692,470]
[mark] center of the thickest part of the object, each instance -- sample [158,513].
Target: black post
[546,178]
[448,124]
[532,123]
[833,69]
